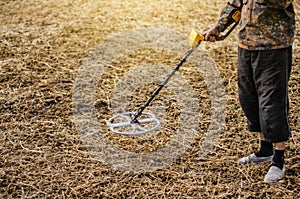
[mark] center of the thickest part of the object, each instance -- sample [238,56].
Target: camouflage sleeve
[225,19]
[278,4]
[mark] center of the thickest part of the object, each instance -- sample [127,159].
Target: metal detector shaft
[152,96]
[194,43]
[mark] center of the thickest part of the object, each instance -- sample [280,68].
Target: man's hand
[211,34]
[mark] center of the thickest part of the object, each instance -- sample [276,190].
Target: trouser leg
[248,96]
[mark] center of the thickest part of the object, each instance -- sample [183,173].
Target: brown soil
[43,45]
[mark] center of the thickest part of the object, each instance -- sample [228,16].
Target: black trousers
[263,77]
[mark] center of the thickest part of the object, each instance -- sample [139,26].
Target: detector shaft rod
[161,85]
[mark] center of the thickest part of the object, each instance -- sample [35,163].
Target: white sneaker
[274,174]
[254,159]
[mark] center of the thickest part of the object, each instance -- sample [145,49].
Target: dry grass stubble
[43,44]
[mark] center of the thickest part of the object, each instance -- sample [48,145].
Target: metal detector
[128,124]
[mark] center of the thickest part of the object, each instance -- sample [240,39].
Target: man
[264,64]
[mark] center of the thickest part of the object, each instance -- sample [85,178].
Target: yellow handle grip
[195,38]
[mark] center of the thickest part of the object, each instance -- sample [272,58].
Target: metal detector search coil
[123,124]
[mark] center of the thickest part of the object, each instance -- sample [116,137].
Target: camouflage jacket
[264,24]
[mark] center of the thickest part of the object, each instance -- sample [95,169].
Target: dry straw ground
[43,44]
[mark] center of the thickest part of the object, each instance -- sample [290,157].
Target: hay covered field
[44,152]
